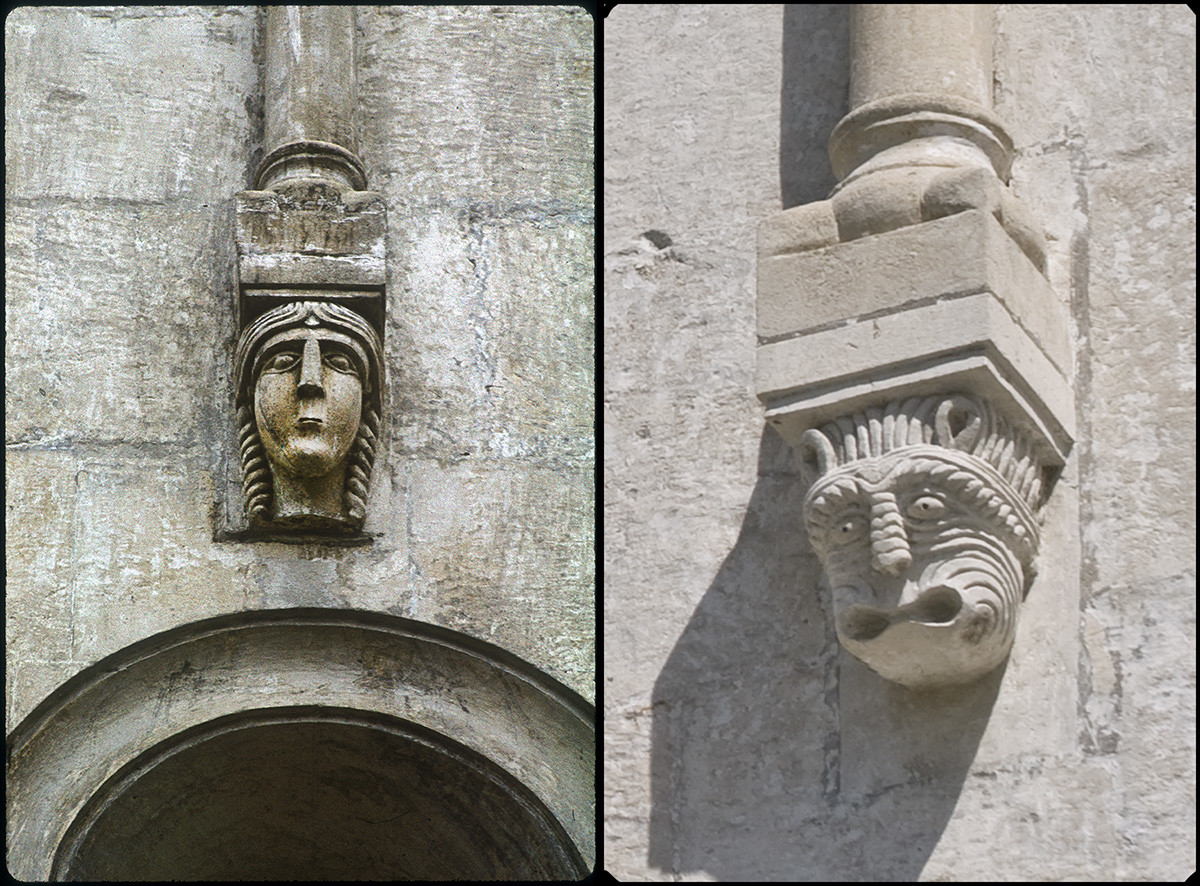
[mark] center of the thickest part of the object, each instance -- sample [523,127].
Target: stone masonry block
[967,343]
[797,229]
[491,118]
[496,550]
[129,105]
[336,242]
[144,559]
[968,252]
[114,315]
[40,545]
[491,326]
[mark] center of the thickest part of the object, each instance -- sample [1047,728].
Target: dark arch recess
[311,793]
[421,693]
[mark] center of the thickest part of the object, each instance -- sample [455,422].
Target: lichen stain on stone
[185,676]
[378,673]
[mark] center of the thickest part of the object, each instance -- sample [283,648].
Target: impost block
[951,304]
[325,238]
[968,252]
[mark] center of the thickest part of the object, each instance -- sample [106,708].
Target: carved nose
[310,371]
[889,542]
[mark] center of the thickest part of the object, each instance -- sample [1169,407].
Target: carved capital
[911,348]
[309,364]
[923,512]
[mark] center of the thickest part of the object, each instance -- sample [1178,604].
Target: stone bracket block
[968,252]
[969,343]
[948,304]
[318,240]
[309,369]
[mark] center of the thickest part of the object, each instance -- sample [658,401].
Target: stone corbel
[912,351]
[309,368]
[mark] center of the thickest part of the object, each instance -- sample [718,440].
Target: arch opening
[314,794]
[133,752]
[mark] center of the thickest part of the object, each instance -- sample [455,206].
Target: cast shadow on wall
[774,755]
[814,95]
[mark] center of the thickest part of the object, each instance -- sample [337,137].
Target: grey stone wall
[128,133]
[740,743]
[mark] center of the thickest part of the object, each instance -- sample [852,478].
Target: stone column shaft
[920,92]
[310,96]
[910,48]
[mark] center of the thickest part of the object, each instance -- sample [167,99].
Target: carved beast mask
[923,518]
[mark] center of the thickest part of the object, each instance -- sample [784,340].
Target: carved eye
[282,361]
[927,507]
[847,528]
[340,362]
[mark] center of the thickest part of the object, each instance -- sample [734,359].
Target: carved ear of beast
[959,423]
[816,453]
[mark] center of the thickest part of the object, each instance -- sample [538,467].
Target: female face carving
[925,551]
[308,401]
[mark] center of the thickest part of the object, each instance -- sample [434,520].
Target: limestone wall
[740,743]
[128,133]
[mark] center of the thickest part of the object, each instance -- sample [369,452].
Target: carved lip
[309,421]
[937,606]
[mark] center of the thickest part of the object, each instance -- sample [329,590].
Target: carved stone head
[923,514]
[308,411]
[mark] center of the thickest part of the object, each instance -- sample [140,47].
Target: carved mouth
[936,606]
[309,422]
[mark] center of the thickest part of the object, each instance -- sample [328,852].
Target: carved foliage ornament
[924,515]
[309,398]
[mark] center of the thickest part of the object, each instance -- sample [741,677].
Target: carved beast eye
[847,528]
[926,507]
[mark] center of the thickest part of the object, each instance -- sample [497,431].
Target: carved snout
[310,371]
[889,541]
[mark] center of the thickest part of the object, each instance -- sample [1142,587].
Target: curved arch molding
[476,694]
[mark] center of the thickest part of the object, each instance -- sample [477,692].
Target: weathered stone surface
[130,134]
[309,76]
[492,322]
[39,525]
[473,568]
[121,313]
[337,240]
[143,561]
[1035,804]
[922,49]
[124,95]
[503,99]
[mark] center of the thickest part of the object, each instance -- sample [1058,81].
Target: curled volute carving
[923,513]
[308,375]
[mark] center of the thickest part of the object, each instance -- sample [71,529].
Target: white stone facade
[741,741]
